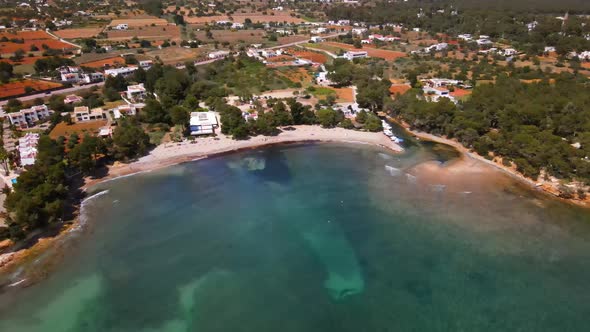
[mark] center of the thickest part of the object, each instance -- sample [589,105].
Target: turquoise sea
[316,237]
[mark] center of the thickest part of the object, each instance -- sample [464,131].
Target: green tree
[129,140]
[153,112]
[179,115]
[327,117]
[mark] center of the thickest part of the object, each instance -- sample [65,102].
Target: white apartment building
[29,116]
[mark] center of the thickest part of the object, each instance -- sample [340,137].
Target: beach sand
[175,153]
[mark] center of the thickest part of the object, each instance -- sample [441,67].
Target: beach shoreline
[547,187]
[170,154]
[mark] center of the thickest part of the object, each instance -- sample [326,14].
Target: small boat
[396,139]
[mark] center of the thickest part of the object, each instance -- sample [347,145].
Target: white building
[127,110]
[440,82]
[29,116]
[509,52]
[351,55]
[316,39]
[136,92]
[465,37]
[203,123]
[270,53]
[69,74]
[358,31]
[434,94]
[484,42]
[237,25]
[88,78]
[82,114]
[124,71]
[218,54]
[27,148]
[72,99]
[436,47]
[146,64]
[319,30]
[122,26]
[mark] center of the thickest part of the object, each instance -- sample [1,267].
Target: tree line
[534,126]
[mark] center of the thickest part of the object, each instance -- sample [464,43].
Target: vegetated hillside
[407,12]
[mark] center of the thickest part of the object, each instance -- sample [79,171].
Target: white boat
[396,139]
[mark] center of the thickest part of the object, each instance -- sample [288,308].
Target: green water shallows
[315,238]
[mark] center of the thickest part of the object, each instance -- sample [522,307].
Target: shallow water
[316,238]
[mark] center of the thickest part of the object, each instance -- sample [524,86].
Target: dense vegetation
[536,125]
[507,22]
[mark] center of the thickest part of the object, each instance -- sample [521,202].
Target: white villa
[82,114]
[124,71]
[136,92]
[351,55]
[203,123]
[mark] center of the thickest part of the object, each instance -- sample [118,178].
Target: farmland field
[65,130]
[249,36]
[31,38]
[109,62]
[296,75]
[372,52]
[27,60]
[78,33]
[241,17]
[173,55]
[160,32]
[312,56]
[139,22]
[344,95]
[17,88]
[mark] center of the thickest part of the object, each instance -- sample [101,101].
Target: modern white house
[127,110]
[465,37]
[433,94]
[316,39]
[136,92]
[484,42]
[351,55]
[218,54]
[29,116]
[69,74]
[358,31]
[88,78]
[122,26]
[82,114]
[146,64]
[72,99]
[124,71]
[203,123]
[436,47]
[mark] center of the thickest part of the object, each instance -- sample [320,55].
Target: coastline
[170,154]
[547,187]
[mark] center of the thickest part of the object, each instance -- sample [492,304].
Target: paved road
[84,87]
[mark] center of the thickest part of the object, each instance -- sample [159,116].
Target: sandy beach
[175,153]
[550,187]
